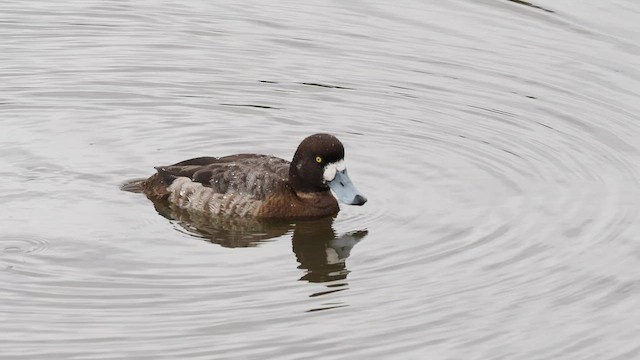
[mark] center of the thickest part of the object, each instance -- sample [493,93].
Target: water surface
[497,143]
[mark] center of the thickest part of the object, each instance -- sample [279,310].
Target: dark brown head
[318,166]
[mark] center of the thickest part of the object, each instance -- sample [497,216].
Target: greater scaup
[260,185]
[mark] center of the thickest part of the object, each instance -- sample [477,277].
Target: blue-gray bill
[345,191]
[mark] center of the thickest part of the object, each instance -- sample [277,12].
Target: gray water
[497,142]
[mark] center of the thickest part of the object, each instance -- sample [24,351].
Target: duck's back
[235,185]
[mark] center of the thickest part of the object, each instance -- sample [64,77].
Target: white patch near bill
[331,168]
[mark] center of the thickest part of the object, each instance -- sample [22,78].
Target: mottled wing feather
[245,174]
[184,168]
[170,173]
[205,160]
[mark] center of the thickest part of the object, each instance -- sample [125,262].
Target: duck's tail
[154,187]
[134,186]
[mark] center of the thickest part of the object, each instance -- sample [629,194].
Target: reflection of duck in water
[317,247]
[261,186]
[321,252]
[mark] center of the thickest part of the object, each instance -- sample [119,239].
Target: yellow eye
[319,159]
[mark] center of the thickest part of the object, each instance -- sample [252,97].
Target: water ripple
[498,151]
[19,244]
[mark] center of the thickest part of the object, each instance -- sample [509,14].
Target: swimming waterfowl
[262,186]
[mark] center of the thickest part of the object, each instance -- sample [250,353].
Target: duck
[260,186]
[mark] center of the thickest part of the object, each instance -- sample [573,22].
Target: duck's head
[318,165]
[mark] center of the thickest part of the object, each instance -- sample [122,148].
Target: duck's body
[260,185]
